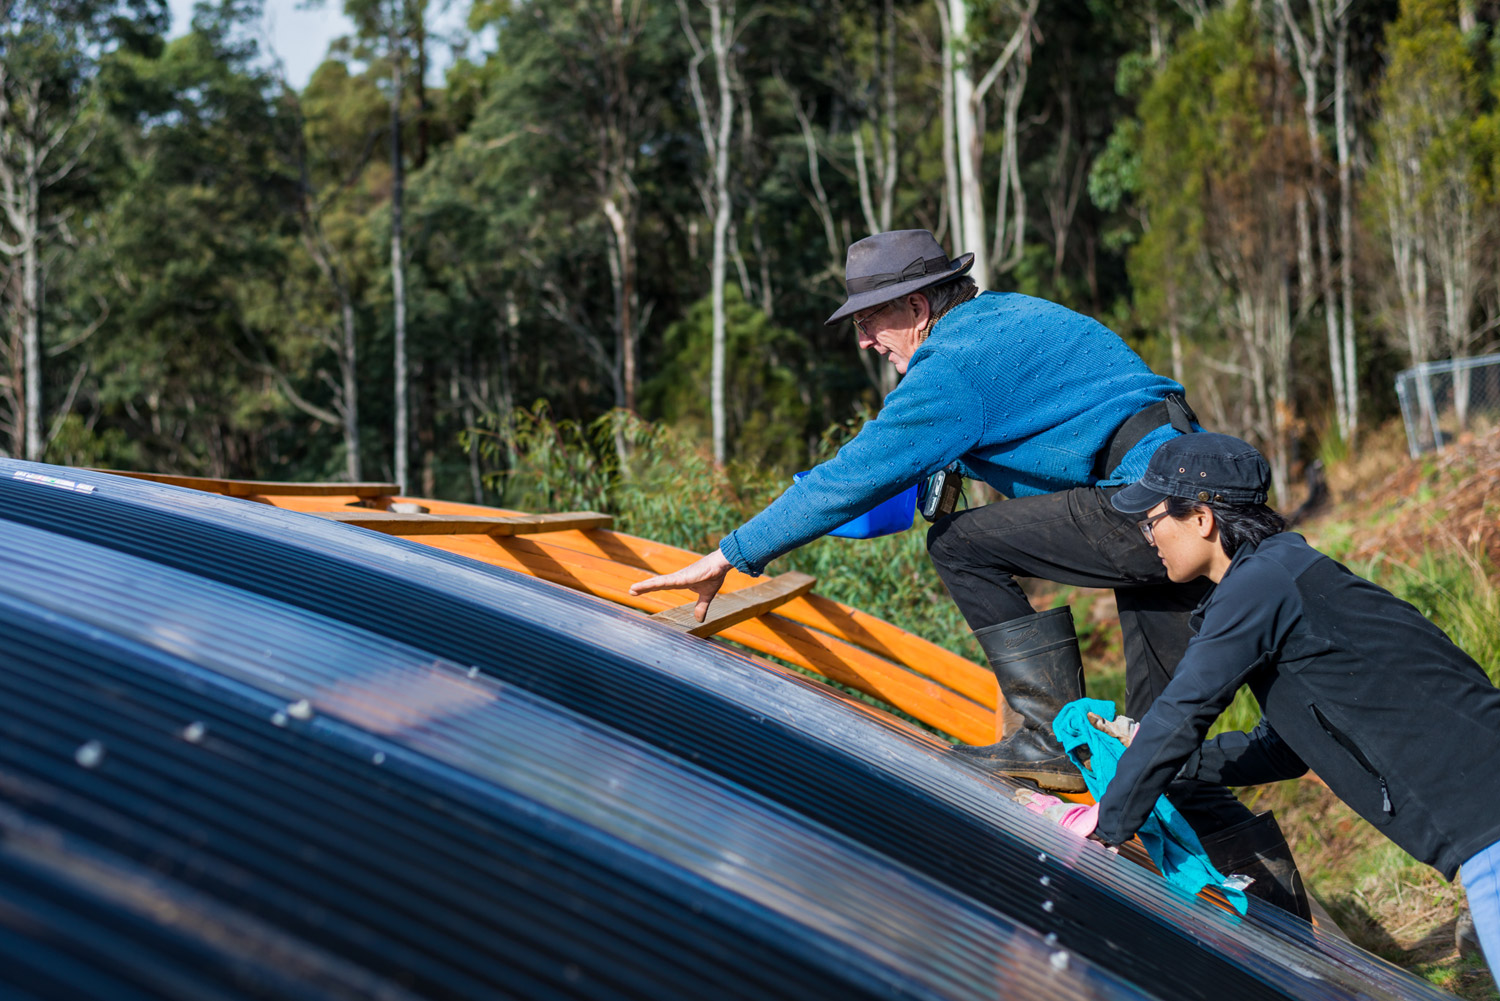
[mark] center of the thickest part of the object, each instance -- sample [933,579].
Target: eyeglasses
[860,323]
[1148,527]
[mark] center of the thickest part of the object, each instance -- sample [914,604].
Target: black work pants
[1076,537]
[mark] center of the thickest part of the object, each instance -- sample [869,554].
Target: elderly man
[1054,411]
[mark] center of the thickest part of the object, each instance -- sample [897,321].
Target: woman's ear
[1204,521]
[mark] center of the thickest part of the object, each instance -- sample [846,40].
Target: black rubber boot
[1258,849]
[1036,662]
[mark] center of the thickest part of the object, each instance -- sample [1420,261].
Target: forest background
[643,206]
[590,269]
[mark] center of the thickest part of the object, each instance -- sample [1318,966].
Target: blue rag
[1169,840]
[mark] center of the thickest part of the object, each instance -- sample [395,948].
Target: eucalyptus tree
[340,118]
[199,213]
[1318,33]
[716,124]
[50,54]
[554,180]
[1222,169]
[393,34]
[1423,195]
[996,249]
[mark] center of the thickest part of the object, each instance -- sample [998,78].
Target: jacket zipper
[1347,744]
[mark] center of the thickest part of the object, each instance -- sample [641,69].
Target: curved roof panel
[804,825]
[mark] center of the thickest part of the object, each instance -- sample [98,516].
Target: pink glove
[1076,817]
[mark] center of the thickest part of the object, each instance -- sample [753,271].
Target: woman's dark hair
[1238,523]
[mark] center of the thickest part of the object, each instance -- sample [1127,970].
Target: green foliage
[1116,174]
[77,444]
[1457,592]
[191,250]
[763,388]
[667,489]
[1207,147]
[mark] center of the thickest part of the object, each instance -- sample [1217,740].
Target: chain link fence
[1441,399]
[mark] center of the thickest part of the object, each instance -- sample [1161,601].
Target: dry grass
[1385,901]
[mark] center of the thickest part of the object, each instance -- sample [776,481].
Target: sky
[300,37]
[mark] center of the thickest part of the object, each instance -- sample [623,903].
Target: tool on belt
[938,495]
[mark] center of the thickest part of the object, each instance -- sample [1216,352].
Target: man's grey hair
[941,298]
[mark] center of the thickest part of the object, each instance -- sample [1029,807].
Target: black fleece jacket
[1353,683]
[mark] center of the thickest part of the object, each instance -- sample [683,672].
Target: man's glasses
[860,322]
[1148,527]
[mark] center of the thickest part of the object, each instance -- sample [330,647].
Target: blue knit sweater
[1021,392]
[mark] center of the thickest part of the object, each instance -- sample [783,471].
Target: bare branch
[67,404]
[88,331]
[1012,45]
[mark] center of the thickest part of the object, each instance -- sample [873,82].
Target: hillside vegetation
[1425,529]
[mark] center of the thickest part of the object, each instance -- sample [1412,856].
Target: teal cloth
[1169,840]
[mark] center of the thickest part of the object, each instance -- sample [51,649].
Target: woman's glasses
[1148,527]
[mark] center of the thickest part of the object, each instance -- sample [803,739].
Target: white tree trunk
[1343,138]
[720,28]
[971,234]
[349,371]
[717,128]
[950,147]
[31,307]
[398,263]
[1311,53]
[968,102]
[32,133]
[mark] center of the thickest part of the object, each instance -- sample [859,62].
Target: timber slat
[850,624]
[843,644]
[461,524]
[257,488]
[892,682]
[737,606]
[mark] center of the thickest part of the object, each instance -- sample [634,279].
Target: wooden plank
[737,606]
[841,643]
[253,488]
[615,554]
[889,681]
[458,524]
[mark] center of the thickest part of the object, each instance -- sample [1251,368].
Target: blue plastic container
[888,518]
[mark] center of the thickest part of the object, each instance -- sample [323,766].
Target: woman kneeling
[1353,683]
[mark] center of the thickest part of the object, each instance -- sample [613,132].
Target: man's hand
[1122,728]
[704,578]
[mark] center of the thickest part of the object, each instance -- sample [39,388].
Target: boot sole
[1053,781]
[1050,781]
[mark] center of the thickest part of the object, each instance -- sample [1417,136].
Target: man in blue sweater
[1054,411]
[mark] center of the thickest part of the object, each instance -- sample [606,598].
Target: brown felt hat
[887,266]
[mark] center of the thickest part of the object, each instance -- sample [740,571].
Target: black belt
[1173,410]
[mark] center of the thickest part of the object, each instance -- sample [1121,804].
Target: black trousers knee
[1076,537]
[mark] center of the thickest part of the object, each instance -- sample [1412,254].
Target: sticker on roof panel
[53,481]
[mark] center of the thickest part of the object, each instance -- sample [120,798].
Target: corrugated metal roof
[671,815]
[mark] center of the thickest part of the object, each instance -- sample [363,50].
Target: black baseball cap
[1204,467]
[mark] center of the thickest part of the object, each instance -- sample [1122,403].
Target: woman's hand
[1079,818]
[1122,728]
